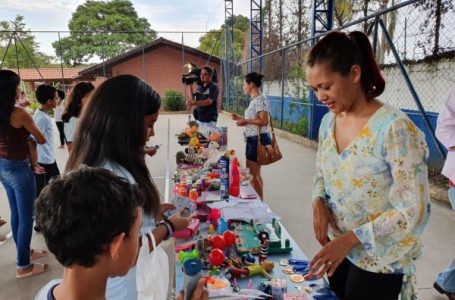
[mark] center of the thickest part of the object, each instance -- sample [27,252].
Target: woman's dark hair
[255,78]
[208,69]
[74,103]
[9,81]
[112,129]
[81,213]
[340,51]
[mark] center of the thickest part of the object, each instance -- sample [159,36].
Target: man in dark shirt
[205,99]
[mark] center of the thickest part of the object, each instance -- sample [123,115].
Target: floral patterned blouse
[378,187]
[257,104]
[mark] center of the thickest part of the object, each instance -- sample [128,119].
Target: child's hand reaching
[180,221]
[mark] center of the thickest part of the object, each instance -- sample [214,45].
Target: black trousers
[60,126]
[352,283]
[43,179]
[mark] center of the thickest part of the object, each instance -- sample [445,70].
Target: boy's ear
[115,245]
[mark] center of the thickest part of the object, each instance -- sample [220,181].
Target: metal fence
[419,69]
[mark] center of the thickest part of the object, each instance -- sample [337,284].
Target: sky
[163,15]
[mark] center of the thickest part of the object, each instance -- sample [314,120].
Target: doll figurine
[251,269]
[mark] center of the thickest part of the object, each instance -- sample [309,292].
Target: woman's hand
[199,293]
[322,217]
[150,151]
[179,221]
[235,117]
[242,122]
[332,255]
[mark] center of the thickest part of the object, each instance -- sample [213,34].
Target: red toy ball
[229,238]
[218,242]
[216,257]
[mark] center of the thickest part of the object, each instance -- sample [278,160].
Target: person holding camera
[204,100]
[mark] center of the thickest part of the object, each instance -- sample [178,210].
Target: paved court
[287,190]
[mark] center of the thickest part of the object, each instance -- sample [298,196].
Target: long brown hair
[112,129]
[340,51]
[9,81]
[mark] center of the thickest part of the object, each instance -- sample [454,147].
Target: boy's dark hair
[255,78]
[44,93]
[81,212]
[61,94]
[340,51]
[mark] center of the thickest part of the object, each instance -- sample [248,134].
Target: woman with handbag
[256,123]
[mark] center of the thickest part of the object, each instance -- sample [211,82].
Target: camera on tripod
[194,75]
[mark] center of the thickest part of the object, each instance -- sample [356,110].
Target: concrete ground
[287,191]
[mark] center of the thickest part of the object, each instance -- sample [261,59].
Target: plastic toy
[229,238]
[183,256]
[251,269]
[216,257]
[189,231]
[247,238]
[213,217]
[263,237]
[218,242]
[222,225]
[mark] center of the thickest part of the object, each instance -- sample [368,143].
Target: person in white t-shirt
[47,97]
[76,100]
[58,112]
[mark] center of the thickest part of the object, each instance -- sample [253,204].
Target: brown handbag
[268,154]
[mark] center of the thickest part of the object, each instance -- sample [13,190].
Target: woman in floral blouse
[370,194]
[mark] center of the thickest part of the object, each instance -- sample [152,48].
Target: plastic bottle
[234,187]
[192,273]
[189,184]
[224,177]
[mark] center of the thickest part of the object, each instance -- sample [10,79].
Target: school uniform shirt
[445,132]
[257,104]
[69,129]
[58,112]
[378,188]
[45,151]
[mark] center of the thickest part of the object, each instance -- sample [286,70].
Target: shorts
[252,145]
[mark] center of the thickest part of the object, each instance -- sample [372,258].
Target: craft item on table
[247,238]
[245,210]
[301,269]
[214,185]
[182,189]
[218,242]
[224,177]
[216,257]
[185,255]
[278,286]
[213,217]
[217,286]
[221,225]
[288,271]
[296,278]
[248,196]
[264,286]
[234,180]
[250,270]
[185,246]
[294,297]
[229,238]
[211,229]
[264,238]
[284,262]
[189,231]
[202,211]
[294,261]
[183,205]
[248,258]
[191,274]
[193,195]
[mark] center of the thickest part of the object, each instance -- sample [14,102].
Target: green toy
[247,238]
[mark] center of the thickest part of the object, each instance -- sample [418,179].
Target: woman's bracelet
[169,229]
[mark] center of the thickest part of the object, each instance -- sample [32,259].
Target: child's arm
[37,169]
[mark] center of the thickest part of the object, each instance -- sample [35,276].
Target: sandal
[36,269]
[35,254]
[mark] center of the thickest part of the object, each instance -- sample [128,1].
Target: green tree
[16,29]
[101,28]
[215,39]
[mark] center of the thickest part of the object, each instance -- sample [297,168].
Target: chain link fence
[429,61]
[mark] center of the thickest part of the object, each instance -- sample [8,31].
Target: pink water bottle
[234,187]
